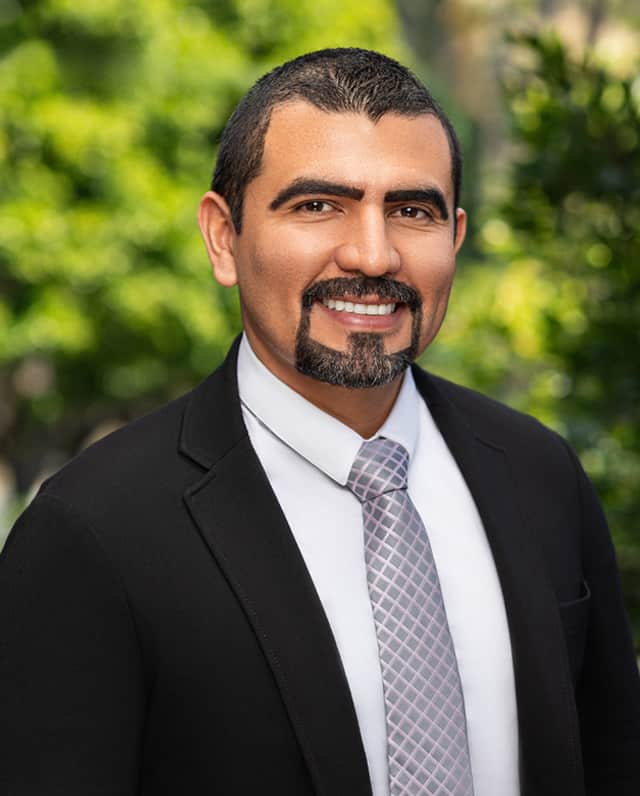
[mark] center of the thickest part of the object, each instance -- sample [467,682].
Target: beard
[364,364]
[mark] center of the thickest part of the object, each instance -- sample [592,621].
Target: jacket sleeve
[608,695]
[71,684]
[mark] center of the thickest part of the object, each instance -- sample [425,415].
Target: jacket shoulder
[490,419]
[140,454]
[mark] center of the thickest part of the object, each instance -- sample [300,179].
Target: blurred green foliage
[109,114]
[549,321]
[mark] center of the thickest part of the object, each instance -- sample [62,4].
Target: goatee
[364,364]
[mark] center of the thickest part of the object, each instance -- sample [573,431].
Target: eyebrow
[304,186]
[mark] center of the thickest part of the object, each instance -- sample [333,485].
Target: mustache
[359,286]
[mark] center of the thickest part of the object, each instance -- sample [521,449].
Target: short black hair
[340,80]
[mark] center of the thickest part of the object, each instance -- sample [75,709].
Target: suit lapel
[546,713]
[241,522]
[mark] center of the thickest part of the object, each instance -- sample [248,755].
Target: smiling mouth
[356,294]
[359,308]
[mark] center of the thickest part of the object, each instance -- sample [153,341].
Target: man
[241,593]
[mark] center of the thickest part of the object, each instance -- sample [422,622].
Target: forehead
[393,152]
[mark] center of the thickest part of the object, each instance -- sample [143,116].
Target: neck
[363,410]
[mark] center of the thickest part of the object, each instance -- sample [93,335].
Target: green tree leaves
[109,115]
[550,322]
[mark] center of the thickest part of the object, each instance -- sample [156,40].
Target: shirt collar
[321,439]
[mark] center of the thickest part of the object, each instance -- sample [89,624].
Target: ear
[461,228]
[216,226]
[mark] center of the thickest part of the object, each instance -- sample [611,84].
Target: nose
[366,246]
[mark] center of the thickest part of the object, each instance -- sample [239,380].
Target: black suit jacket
[160,633]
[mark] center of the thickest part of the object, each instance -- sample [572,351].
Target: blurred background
[109,115]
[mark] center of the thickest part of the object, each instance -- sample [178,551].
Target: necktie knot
[380,466]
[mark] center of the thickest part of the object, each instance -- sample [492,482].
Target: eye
[314,206]
[411,211]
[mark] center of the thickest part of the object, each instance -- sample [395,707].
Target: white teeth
[359,309]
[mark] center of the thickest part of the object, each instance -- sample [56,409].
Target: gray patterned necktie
[426,726]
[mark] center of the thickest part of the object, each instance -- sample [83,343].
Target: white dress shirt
[307,456]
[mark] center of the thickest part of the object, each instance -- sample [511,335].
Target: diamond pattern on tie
[426,725]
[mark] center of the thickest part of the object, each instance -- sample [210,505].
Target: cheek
[433,280]
[272,277]
[285,264]
[306,244]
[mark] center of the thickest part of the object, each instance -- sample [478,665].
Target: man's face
[347,251]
